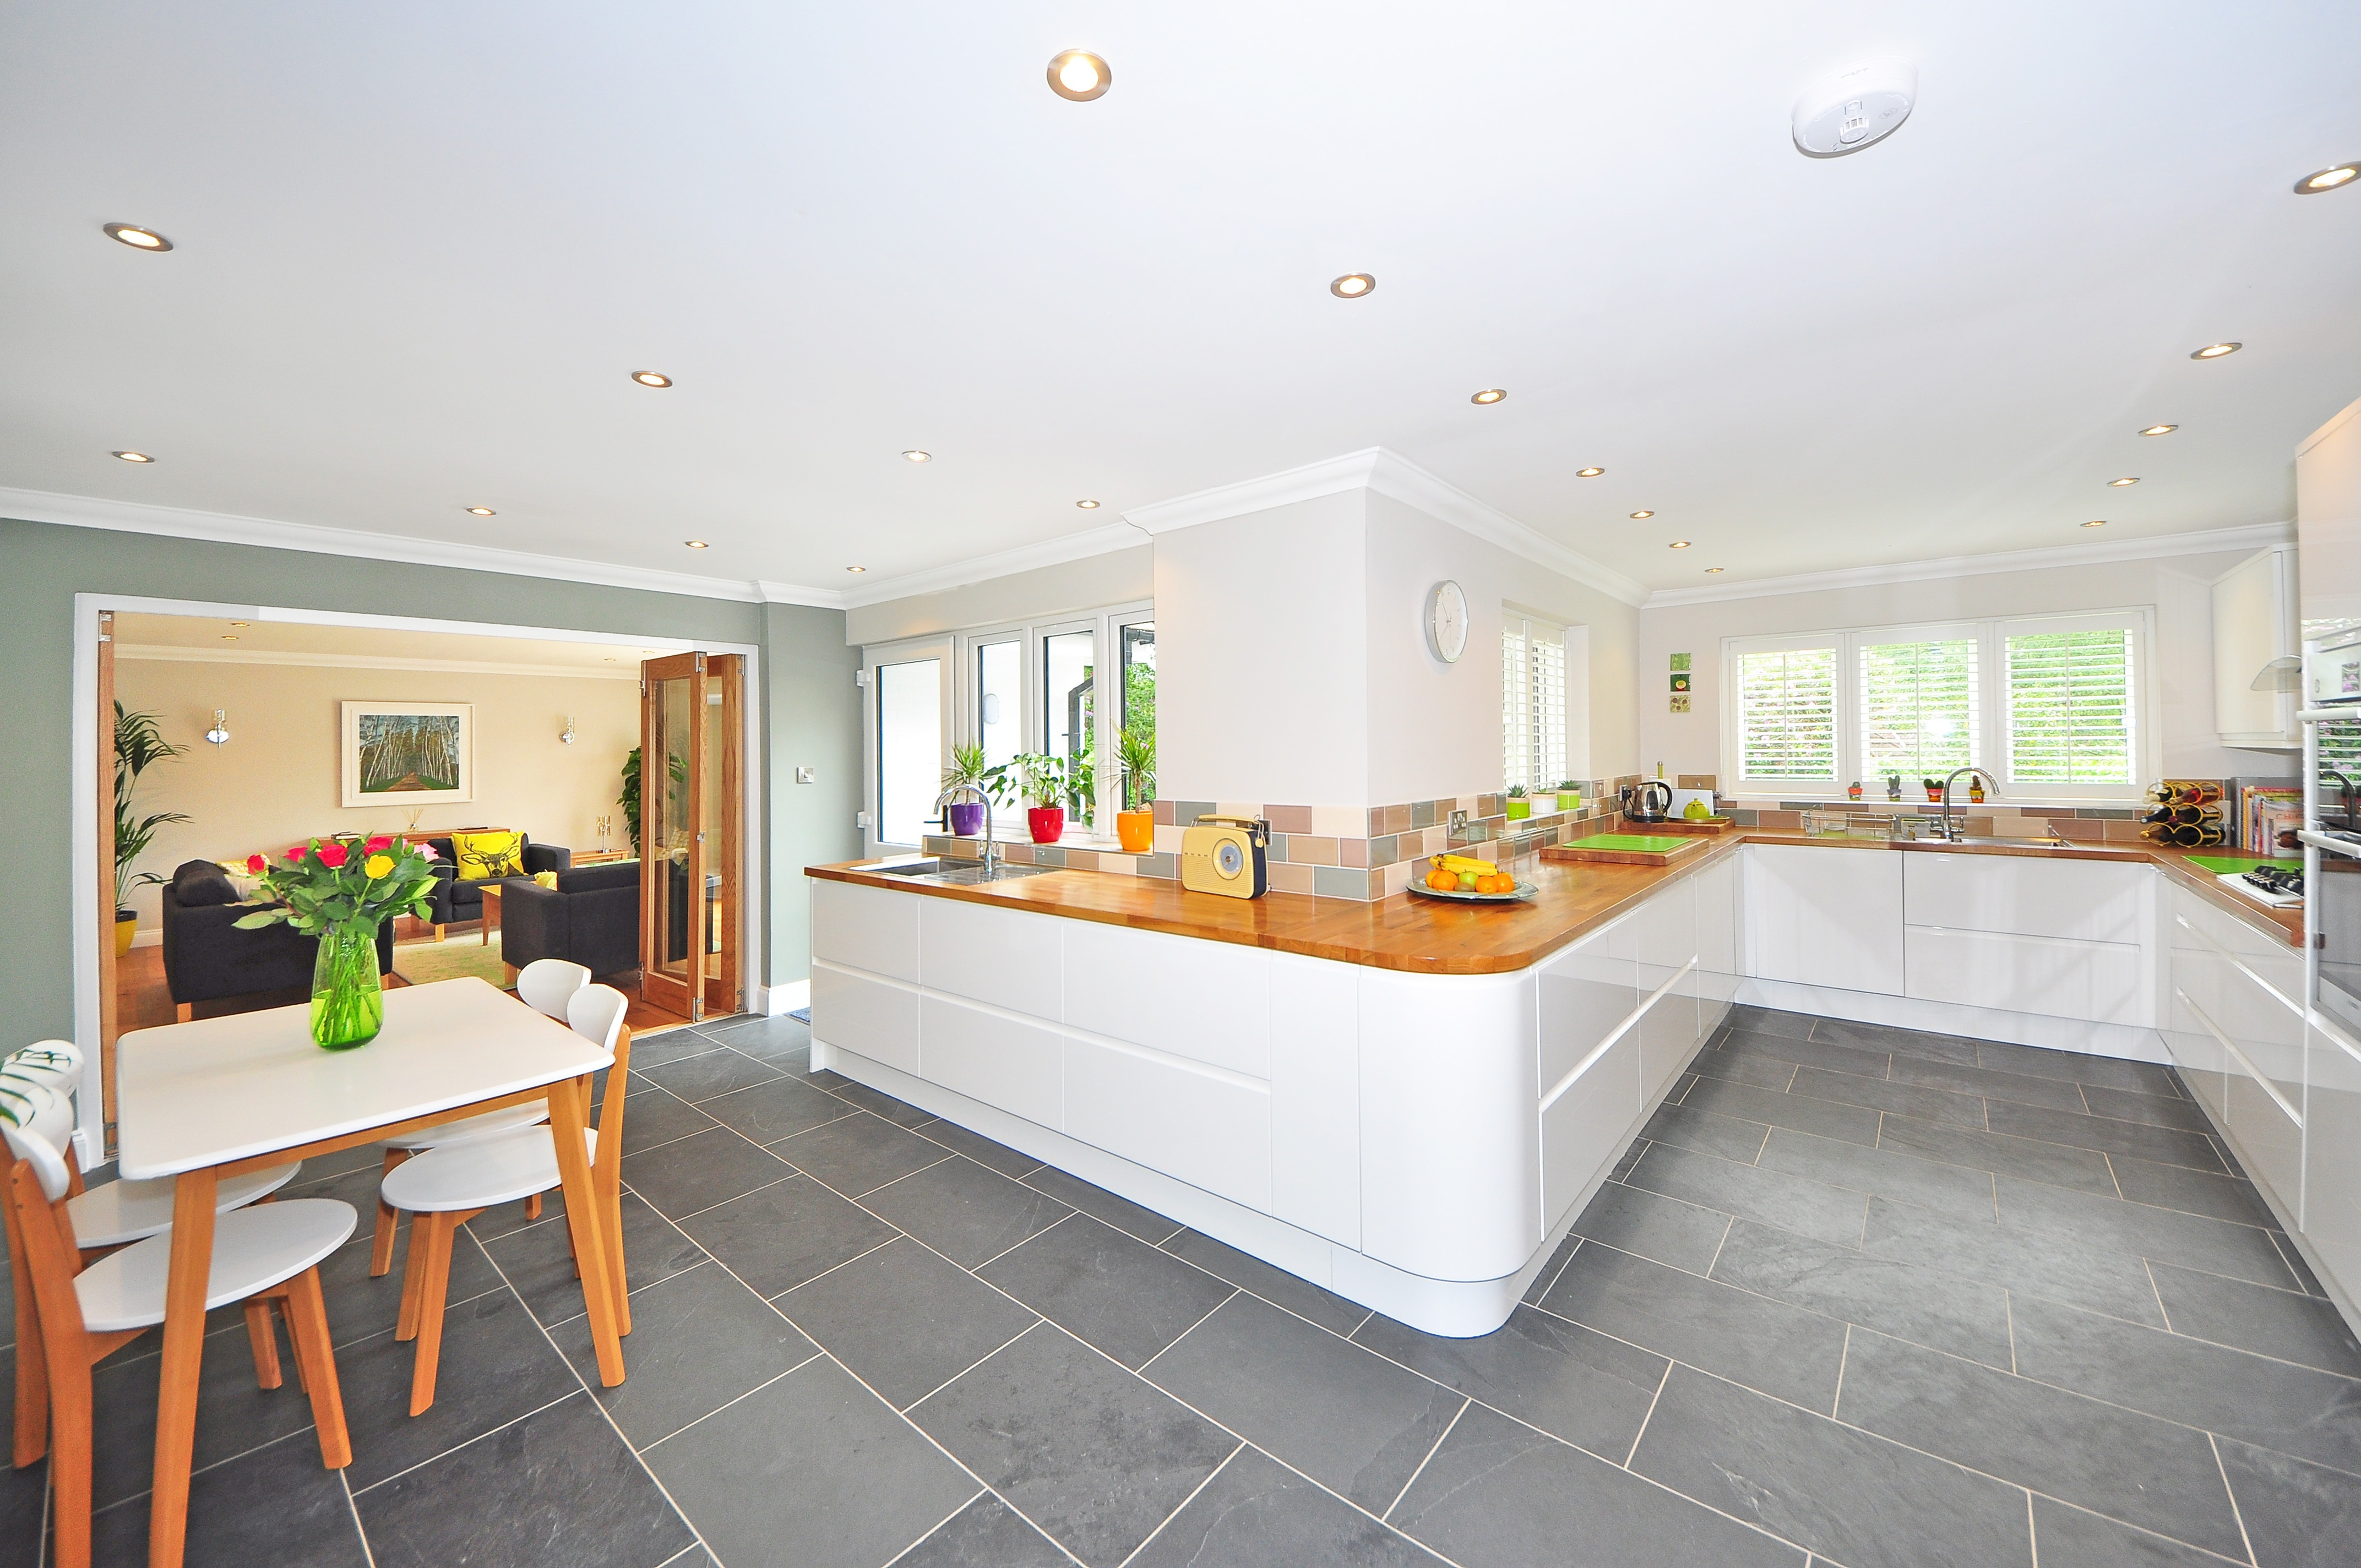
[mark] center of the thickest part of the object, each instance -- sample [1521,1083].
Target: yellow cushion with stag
[486,857]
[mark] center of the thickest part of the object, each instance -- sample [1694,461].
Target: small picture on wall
[408,754]
[1681,681]
[1680,701]
[1680,661]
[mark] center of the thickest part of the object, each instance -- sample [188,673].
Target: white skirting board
[2130,1042]
[784,997]
[1455,1309]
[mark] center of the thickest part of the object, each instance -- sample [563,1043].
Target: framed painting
[408,754]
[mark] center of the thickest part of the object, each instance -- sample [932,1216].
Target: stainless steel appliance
[2330,836]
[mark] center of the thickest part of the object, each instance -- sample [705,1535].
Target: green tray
[1636,843]
[2232,865]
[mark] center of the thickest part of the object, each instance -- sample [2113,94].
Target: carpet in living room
[423,963]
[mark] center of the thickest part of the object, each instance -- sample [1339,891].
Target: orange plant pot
[1136,830]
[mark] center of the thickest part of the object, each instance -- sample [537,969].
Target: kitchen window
[1532,702]
[2054,706]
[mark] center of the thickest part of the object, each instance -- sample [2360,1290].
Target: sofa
[207,957]
[591,918]
[455,900]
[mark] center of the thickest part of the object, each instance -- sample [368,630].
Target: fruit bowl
[1525,890]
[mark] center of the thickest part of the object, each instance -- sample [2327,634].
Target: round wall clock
[1446,621]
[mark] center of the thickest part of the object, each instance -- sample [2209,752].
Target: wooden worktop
[1425,936]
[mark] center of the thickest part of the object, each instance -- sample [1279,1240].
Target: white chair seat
[124,1211]
[530,1115]
[253,1250]
[498,1170]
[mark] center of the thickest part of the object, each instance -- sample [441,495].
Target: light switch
[803,775]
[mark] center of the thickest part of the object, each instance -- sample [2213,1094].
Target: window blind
[2070,716]
[1533,705]
[1786,714]
[1918,708]
[1516,708]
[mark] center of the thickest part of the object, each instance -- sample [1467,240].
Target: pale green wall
[808,698]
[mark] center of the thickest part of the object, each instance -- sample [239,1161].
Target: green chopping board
[2232,865]
[1640,843]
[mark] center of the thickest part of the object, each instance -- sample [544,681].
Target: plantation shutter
[1918,708]
[1787,714]
[1532,703]
[1516,705]
[2071,717]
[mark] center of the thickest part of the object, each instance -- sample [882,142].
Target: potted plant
[1569,795]
[1136,828]
[138,746]
[338,891]
[1518,806]
[1042,782]
[965,818]
[630,799]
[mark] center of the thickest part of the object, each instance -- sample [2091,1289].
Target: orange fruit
[1442,881]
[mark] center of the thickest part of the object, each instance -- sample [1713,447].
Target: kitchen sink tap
[1992,789]
[959,793]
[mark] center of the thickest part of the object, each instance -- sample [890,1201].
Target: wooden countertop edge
[1356,936]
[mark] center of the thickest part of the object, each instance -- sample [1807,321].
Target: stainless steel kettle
[1650,800]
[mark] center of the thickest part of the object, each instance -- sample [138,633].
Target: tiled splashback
[1339,851]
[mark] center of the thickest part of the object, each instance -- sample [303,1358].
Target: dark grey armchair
[591,918]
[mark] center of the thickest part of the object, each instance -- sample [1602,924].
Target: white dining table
[201,1101]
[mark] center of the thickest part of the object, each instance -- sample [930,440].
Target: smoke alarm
[1853,108]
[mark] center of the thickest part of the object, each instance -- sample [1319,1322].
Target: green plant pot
[1569,800]
[1519,809]
[347,997]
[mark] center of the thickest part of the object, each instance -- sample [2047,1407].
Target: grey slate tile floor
[1858,1297]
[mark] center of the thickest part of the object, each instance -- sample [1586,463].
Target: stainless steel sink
[972,875]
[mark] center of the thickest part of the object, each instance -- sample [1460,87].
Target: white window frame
[905,651]
[1549,627]
[1992,744]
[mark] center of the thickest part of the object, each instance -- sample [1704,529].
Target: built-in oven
[2332,835]
[2334,897]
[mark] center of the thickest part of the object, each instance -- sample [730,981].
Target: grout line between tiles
[979,1361]
[1234,1293]
[2236,1512]
[1465,1401]
[1168,1519]
[1844,1354]
[934,1529]
[1633,1452]
[369,1552]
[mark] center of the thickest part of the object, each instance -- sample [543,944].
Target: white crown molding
[1101,541]
[2248,536]
[1388,473]
[172,653]
[180,522]
[2336,421]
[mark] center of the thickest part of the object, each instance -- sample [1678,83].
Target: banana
[1465,864]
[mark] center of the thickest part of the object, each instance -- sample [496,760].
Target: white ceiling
[421,246]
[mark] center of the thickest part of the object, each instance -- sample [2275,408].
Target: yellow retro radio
[1228,855]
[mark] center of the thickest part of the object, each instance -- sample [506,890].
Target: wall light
[219,733]
[566,736]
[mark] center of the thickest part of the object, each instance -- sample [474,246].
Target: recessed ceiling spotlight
[1588,473]
[1088,506]
[2215,350]
[482,511]
[697,543]
[138,238]
[2328,179]
[652,377]
[915,455]
[1079,76]
[856,568]
[1489,395]
[2160,430]
[241,623]
[135,458]
[611,658]
[1637,515]
[1710,571]
[2096,522]
[229,636]
[1678,545]
[2119,484]
[1351,285]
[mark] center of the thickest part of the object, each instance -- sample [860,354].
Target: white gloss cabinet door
[1584,1128]
[2085,901]
[1825,916]
[1315,1096]
[1004,1061]
[1450,1156]
[1207,1128]
[1207,1000]
[1587,991]
[2194,999]
[866,928]
[2331,1184]
[1717,971]
[1000,956]
[2265,1091]
[2103,982]
[1668,1029]
[875,1017]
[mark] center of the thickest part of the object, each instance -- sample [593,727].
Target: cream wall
[279,781]
[2178,587]
[1120,577]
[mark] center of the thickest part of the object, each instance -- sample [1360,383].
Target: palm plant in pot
[1042,782]
[965,818]
[138,746]
[1135,752]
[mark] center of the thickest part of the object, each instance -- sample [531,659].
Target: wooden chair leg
[70,1445]
[415,1262]
[263,1336]
[316,1360]
[32,1437]
[435,1279]
[533,1207]
[382,1249]
[279,1306]
[184,1012]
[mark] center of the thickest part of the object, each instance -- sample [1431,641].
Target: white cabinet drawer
[1585,1127]
[1668,1036]
[1827,915]
[2103,981]
[1206,1127]
[1000,956]
[2331,1184]
[1207,1000]
[866,927]
[1315,1096]
[1587,991]
[1717,971]
[875,1017]
[1003,1062]
[2086,900]
[2277,962]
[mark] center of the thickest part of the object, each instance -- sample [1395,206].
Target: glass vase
[347,1003]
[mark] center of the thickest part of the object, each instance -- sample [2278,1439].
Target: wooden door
[721,796]
[109,1024]
[673,958]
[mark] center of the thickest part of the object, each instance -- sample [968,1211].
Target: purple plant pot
[967,818]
